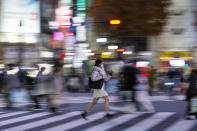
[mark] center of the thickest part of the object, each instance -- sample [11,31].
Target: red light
[114,22]
[68,33]
[62,54]
[120,50]
[145,74]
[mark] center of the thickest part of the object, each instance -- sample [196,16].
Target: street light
[120,50]
[128,52]
[101,40]
[112,47]
[115,22]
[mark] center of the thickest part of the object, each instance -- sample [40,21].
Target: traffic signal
[115,22]
[120,50]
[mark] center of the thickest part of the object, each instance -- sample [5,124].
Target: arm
[107,78]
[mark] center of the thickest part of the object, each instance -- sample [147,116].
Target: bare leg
[106,103]
[95,100]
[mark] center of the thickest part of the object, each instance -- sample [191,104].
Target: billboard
[177,62]
[142,63]
[20,16]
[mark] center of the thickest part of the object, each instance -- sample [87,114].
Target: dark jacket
[192,90]
[128,78]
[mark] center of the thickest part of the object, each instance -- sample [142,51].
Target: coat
[97,74]
[129,79]
[43,85]
[192,90]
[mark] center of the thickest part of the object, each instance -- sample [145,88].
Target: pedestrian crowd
[133,82]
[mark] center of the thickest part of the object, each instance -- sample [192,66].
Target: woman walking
[98,74]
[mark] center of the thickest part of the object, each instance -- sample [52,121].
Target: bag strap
[95,70]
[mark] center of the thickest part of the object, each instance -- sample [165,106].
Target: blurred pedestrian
[171,81]
[56,96]
[98,74]
[141,95]
[127,91]
[191,95]
[151,79]
[41,88]
[12,83]
[129,79]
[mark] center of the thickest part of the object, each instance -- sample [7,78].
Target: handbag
[193,105]
[95,84]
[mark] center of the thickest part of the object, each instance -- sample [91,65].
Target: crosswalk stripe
[42,122]
[76,123]
[150,122]
[11,114]
[113,122]
[182,125]
[23,118]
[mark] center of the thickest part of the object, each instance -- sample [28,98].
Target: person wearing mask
[98,74]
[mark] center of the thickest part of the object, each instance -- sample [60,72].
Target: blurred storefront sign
[181,59]
[27,52]
[20,16]
[166,56]
[10,52]
[58,36]
[46,54]
[105,56]
[81,5]
[81,33]
[19,38]
[63,14]
[53,25]
[24,55]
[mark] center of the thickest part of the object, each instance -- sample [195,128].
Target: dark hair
[57,66]
[98,62]
[43,68]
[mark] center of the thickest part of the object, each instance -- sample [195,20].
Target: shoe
[190,117]
[150,111]
[84,115]
[34,109]
[53,109]
[109,116]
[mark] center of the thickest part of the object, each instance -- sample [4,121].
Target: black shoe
[190,117]
[83,115]
[109,116]
[9,108]
[53,109]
